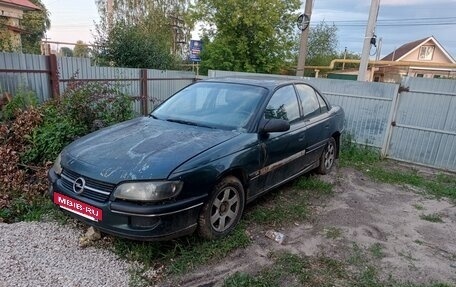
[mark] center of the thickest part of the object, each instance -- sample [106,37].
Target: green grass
[355,155]
[433,217]
[183,254]
[418,206]
[35,209]
[333,232]
[293,270]
[289,204]
[376,250]
[367,159]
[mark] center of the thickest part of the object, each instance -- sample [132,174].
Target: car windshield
[213,104]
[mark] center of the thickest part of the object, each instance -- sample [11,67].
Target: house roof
[404,50]
[23,4]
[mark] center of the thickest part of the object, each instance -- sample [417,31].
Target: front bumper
[134,221]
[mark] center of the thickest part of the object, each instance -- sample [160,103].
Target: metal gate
[423,124]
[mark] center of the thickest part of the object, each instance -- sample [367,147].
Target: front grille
[94,189]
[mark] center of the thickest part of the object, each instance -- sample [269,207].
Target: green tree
[81,49]
[66,52]
[131,46]
[156,25]
[247,35]
[35,24]
[322,45]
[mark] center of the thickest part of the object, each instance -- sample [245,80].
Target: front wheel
[223,210]
[328,157]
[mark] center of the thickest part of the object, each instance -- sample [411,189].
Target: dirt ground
[362,213]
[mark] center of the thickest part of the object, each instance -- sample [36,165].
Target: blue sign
[195,49]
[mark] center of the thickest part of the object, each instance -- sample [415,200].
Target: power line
[395,20]
[397,24]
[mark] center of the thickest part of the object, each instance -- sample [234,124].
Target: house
[422,52]
[11,12]
[421,58]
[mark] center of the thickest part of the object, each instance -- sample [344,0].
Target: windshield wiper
[188,123]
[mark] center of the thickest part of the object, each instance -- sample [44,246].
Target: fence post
[54,76]
[144,97]
[389,123]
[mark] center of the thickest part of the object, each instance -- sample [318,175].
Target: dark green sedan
[198,159]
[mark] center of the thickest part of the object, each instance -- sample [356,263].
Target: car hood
[139,149]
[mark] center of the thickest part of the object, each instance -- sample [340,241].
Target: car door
[315,114]
[283,149]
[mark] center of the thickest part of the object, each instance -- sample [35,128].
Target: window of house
[420,75]
[426,53]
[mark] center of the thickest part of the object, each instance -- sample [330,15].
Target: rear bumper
[134,221]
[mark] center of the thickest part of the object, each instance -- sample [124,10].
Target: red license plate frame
[78,207]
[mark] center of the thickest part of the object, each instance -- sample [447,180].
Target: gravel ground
[48,254]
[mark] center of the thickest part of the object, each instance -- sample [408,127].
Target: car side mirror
[274,126]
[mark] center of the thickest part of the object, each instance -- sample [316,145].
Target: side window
[283,105]
[323,105]
[310,104]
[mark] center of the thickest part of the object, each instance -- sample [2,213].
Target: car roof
[270,82]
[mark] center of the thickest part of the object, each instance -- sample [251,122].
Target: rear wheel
[328,157]
[223,210]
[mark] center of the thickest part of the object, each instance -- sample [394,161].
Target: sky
[399,21]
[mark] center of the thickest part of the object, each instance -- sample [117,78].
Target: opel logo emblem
[79,185]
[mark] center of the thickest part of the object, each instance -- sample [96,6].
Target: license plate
[78,207]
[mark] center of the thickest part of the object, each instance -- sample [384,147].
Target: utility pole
[345,57]
[304,40]
[109,13]
[371,23]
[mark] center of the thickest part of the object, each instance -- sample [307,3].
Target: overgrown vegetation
[367,159]
[434,217]
[32,135]
[293,202]
[294,270]
[177,256]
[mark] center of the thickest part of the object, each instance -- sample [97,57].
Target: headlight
[148,191]
[57,167]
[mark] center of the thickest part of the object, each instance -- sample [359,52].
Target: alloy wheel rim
[225,209]
[329,156]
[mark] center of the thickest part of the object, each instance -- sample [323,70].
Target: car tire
[222,212]
[328,157]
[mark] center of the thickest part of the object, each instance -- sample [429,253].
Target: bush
[49,138]
[96,105]
[31,138]
[23,100]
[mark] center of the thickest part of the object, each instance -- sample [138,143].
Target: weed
[368,160]
[376,250]
[433,217]
[314,184]
[333,232]
[34,209]
[182,254]
[357,257]
[352,154]
[22,100]
[418,206]
[293,270]
[239,279]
